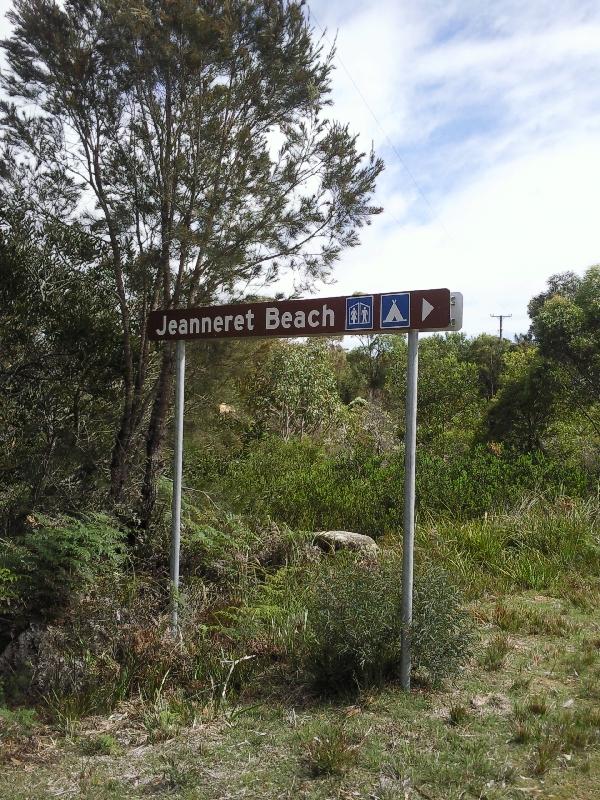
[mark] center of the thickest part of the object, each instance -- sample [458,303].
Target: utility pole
[501,317]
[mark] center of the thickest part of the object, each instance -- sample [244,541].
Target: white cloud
[509,230]
[495,109]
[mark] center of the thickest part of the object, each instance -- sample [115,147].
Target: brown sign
[392,312]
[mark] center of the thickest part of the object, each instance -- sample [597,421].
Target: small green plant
[458,714]
[495,652]
[54,557]
[508,618]
[177,773]
[532,621]
[353,624]
[104,744]
[17,723]
[328,751]
[537,704]
[521,683]
[164,717]
[545,753]
[523,731]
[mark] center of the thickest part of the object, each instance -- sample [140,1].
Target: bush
[52,559]
[353,625]
[308,487]
[298,482]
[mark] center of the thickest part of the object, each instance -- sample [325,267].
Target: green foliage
[495,652]
[293,391]
[353,625]
[534,547]
[297,482]
[487,353]
[448,393]
[311,487]
[168,125]
[58,364]
[54,558]
[362,371]
[525,406]
[458,714]
[565,324]
[19,722]
[104,744]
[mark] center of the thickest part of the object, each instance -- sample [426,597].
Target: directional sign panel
[392,312]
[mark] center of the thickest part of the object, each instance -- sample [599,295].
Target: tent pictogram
[394,314]
[395,310]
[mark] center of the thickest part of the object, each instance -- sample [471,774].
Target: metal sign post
[408,538]
[177,476]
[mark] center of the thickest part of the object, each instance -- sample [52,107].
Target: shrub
[353,624]
[55,557]
[311,487]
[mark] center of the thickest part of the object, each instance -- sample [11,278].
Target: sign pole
[408,539]
[177,476]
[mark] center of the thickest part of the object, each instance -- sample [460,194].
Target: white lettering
[183,327]
[228,319]
[194,325]
[312,321]
[206,327]
[328,315]
[238,322]
[271,318]
[173,326]
[299,319]
[286,319]
[250,320]
[164,327]
[217,324]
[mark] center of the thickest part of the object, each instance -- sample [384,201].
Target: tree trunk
[119,459]
[154,437]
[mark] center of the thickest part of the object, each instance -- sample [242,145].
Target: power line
[501,317]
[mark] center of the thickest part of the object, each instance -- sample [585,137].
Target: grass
[495,652]
[328,750]
[519,720]
[530,620]
[458,714]
[104,744]
[524,728]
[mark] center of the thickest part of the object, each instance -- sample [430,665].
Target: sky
[487,115]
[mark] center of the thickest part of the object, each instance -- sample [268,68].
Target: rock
[21,654]
[330,541]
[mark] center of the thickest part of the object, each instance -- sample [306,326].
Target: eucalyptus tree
[293,390]
[195,135]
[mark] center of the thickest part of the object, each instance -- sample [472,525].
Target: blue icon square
[359,313]
[395,310]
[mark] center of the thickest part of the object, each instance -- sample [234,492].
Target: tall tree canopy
[191,135]
[566,326]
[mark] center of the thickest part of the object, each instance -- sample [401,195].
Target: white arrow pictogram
[427,309]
